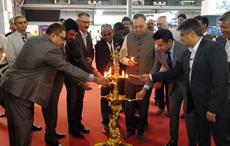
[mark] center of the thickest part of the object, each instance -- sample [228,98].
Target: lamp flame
[132,58]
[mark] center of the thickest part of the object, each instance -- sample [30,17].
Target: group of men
[193,68]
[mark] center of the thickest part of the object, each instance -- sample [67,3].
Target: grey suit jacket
[31,76]
[161,60]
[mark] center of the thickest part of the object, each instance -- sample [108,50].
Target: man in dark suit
[168,52]
[80,53]
[30,80]
[225,41]
[104,49]
[205,69]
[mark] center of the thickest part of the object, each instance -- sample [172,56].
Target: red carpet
[157,133]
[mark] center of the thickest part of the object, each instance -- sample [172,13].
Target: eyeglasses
[83,21]
[63,38]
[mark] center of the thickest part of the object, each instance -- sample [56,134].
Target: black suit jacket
[86,51]
[209,78]
[76,57]
[103,55]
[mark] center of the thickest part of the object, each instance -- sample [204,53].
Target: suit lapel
[176,53]
[81,41]
[164,60]
[197,56]
[186,65]
[107,47]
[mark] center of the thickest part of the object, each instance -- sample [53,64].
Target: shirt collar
[110,43]
[19,34]
[83,34]
[205,33]
[172,49]
[194,49]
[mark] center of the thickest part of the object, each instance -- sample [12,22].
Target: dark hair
[118,26]
[139,15]
[125,19]
[191,25]
[83,14]
[163,34]
[203,20]
[182,15]
[225,16]
[55,28]
[71,24]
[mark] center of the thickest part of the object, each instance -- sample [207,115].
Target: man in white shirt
[16,40]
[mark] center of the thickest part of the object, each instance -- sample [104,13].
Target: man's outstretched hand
[102,81]
[144,77]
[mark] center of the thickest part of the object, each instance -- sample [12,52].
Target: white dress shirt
[84,35]
[111,46]
[124,52]
[227,48]
[192,57]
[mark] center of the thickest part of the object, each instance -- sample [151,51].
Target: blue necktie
[169,59]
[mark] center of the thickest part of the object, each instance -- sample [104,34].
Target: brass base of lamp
[105,144]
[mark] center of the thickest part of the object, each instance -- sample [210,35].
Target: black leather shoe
[60,135]
[77,135]
[3,115]
[141,138]
[55,143]
[171,144]
[36,128]
[128,134]
[84,130]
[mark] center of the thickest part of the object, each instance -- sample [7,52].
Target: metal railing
[118,2]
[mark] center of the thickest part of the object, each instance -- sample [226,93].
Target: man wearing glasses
[15,42]
[31,80]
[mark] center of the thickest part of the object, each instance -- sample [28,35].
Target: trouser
[142,105]
[191,127]
[220,130]
[50,113]
[162,96]
[75,96]
[105,109]
[175,102]
[20,115]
